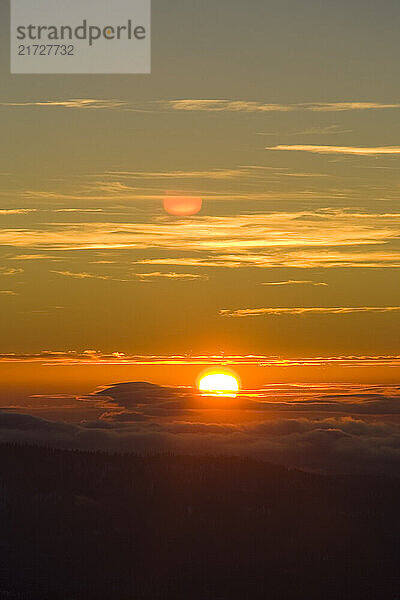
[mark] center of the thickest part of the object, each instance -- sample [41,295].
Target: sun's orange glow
[180,205]
[220,383]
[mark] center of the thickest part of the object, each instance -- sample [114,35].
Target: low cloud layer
[338,427]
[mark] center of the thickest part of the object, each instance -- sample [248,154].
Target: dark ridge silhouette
[95,526]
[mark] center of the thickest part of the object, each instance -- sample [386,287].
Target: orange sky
[291,248]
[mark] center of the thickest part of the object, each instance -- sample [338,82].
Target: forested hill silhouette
[89,525]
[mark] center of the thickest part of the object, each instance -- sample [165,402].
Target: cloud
[81,103]
[9,271]
[259,107]
[320,238]
[213,105]
[294,282]
[135,276]
[137,394]
[170,276]
[124,184]
[86,276]
[123,417]
[78,210]
[357,151]
[148,186]
[217,174]
[17,211]
[32,257]
[345,106]
[24,422]
[328,130]
[93,357]
[329,427]
[303,437]
[342,310]
[135,399]
[226,106]
[299,259]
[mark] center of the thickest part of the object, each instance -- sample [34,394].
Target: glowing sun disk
[219,383]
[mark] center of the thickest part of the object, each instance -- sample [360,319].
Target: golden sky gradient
[291,141]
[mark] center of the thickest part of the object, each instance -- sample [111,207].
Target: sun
[219,383]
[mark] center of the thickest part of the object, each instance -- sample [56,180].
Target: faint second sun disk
[182,206]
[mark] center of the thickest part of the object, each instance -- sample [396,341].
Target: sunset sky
[283,117]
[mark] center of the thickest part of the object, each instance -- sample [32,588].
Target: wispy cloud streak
[341,310]
[257,107]
[90,357]
[16,211]
[81,103]
[134,276]
[353,150]
[294,282]
[204,105]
